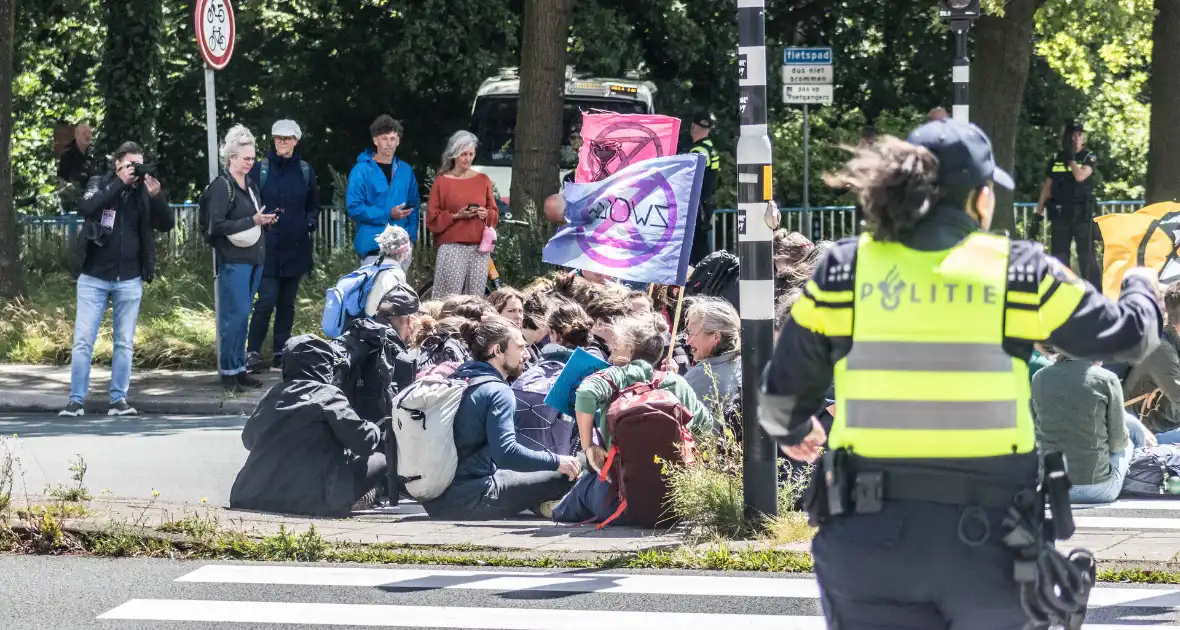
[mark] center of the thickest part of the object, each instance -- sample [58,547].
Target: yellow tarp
[1147,238]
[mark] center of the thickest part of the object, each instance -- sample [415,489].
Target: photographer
[114,255]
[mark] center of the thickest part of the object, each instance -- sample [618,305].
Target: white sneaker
[121,408]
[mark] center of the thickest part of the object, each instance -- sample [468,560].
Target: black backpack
[716,275]
[1150,469]
[203,209]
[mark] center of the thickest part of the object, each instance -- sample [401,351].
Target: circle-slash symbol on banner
[213,23]
[616,146]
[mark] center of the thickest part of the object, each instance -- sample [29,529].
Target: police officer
[926,322]
[1068,192]
[702,126]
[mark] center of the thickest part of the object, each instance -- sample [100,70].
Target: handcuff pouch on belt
[1054,587]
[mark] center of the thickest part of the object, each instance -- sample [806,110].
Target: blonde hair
[236,139]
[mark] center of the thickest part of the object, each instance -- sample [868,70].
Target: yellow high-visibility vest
[927,375]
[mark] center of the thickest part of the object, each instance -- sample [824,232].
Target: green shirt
[1078,409]
[595,394]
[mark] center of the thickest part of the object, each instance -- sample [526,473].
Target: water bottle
[1172,485]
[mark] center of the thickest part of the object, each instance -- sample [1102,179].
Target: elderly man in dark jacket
[288,185]
[114,256]
[309,451]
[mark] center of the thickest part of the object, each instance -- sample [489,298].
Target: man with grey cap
[288,185]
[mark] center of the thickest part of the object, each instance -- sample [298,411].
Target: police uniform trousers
[1073,224]
[917,566]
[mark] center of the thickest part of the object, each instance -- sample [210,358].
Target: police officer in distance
[926,323]
[702,126]
[1068,193]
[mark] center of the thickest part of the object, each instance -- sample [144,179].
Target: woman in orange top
[461,204]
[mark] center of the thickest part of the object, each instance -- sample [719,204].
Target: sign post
[213,23]
[808,75]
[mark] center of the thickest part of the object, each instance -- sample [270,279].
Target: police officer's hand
[1148,274]
[808,451]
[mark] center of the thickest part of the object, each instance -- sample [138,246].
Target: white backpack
[424,427]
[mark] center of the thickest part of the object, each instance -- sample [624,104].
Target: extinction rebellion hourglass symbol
[604,151]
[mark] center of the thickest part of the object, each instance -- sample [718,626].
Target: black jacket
[288,241]
[309,450]
[228,216]
[137,217]
[798,378]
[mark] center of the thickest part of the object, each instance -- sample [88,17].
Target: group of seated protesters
[1100,416]
[317,440]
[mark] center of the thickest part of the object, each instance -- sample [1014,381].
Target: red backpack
[646,423]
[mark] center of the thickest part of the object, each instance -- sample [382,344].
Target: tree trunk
[535,163]
[1163,156]
[999,72]
[130,63]
[11,275]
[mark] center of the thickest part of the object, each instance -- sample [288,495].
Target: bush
[707,496]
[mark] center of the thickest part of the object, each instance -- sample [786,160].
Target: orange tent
[1148,237]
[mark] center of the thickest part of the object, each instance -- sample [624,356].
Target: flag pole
[676,322]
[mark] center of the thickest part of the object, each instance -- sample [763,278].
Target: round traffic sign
[214,26]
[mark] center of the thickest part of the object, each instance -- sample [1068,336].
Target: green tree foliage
[127,75]
[334,65]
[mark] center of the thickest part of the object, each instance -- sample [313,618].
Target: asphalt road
[46,592]
[184,458]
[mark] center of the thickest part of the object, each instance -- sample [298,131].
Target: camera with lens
[143,169]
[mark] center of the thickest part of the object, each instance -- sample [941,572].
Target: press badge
[108,218]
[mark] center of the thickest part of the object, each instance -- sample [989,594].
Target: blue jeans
[237,284]
[1169,437]
[1120,462]
[93,296]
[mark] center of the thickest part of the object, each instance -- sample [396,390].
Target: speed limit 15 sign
[214,26]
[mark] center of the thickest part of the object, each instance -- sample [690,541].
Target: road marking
[1134,504]
[563,582]
[583,582]
[1116,522]
[389,616]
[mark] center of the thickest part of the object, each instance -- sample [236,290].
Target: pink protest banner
[612,141]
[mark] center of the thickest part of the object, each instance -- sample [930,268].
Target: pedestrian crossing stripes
[1135,606]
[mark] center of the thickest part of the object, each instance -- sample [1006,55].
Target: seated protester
[1078,410]
[536,309]
[395,247]
[440,343]
[640,303]
[1158,377]
[639,343]
[367,349]
[450,306]
[713,330]
[569,329]
[496,477]
[398,310]
[309,452]
[509,303]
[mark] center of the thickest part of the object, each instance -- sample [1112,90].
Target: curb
[24,402]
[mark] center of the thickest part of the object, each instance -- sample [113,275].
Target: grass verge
[176,323]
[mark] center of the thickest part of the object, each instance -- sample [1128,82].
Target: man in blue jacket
[382,190]
[289,188]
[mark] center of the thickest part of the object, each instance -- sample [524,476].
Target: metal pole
[756,283]
[211,138]
[807,172]
[962,71]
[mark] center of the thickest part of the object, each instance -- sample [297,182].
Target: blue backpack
[346,301]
